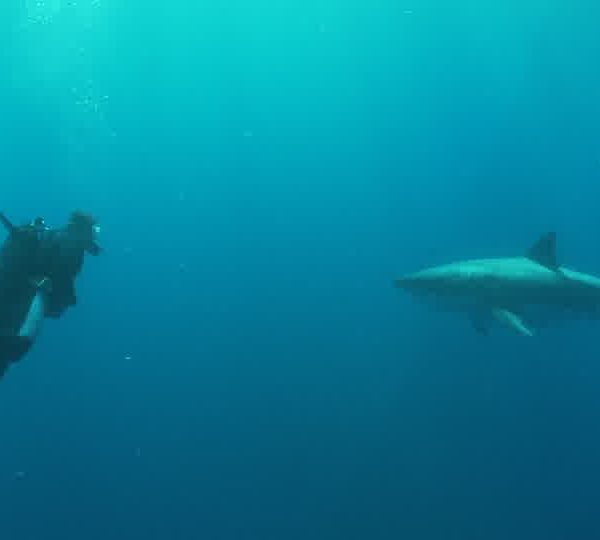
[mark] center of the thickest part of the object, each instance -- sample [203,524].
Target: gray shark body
[506,289]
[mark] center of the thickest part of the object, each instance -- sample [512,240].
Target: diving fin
[512,320]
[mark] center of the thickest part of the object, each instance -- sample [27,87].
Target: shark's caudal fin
[544,251]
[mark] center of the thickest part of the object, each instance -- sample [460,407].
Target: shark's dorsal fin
[544,251]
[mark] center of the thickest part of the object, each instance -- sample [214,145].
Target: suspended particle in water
[42,11]
[92,107]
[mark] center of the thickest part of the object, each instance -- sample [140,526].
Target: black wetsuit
[29,255]
[59,258]
[18,287]
[18,274]
[32,253]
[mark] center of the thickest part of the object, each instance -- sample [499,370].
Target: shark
[505,290]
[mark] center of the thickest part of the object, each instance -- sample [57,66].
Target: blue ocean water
[239,365]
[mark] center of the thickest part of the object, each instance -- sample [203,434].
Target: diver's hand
[42,284]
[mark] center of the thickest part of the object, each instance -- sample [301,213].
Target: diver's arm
[60,297]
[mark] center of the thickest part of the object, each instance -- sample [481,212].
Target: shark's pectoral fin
[512,320]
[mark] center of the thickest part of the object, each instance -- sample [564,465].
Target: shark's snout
[418,282]
[446,280]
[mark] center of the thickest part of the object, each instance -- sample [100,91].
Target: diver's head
[84,229]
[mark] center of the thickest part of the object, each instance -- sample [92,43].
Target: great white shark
[506,289]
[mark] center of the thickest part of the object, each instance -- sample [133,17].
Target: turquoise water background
[239,365]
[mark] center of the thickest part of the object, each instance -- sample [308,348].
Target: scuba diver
[38,268]
[60,258]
